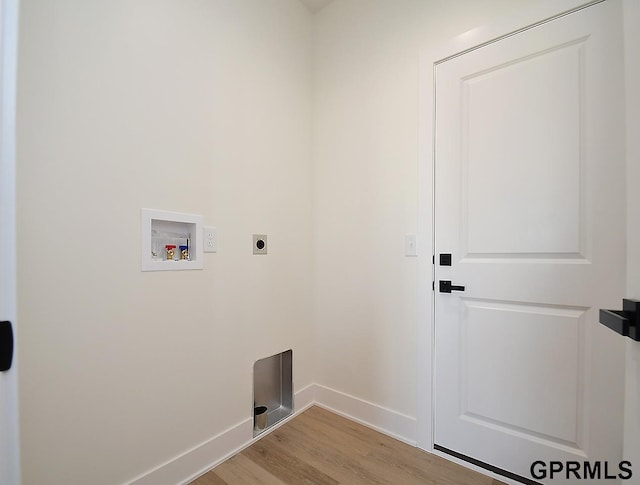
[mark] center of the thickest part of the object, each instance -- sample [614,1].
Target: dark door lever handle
[6,346]
[447,287]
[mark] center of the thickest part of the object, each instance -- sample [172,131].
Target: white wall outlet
[209,239]
[259,244]
[410,248]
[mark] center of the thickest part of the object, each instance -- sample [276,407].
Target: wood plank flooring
[320,447]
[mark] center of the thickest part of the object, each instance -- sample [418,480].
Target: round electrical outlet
[259,244]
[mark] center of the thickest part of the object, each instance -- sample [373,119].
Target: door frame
[9,449]
[429,59]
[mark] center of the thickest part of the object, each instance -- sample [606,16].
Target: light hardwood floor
[320,447]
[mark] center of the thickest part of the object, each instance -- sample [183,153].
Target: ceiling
[315,5]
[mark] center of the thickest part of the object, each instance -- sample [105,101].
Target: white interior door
[9,454]
[529,200]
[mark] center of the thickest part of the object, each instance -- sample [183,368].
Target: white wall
[366,63]
[204,107]
[632,61]
[194,106]
[366,55]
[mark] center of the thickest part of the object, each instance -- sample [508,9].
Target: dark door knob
[6,346]
[447,287]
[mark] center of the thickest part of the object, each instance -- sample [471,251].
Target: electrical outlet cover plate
[259,244]
[209,239]
[410,248]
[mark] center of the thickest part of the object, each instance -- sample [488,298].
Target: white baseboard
[202,457]
[386,421]
[304,398]
[207,455]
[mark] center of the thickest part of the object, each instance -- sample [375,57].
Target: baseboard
[386,421]
[304,398]
[207,455]
[201,457]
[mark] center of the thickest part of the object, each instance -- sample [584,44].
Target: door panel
[536,208]
[548,331]
[529,170]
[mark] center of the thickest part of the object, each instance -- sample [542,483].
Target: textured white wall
[632,60]
[194,106]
